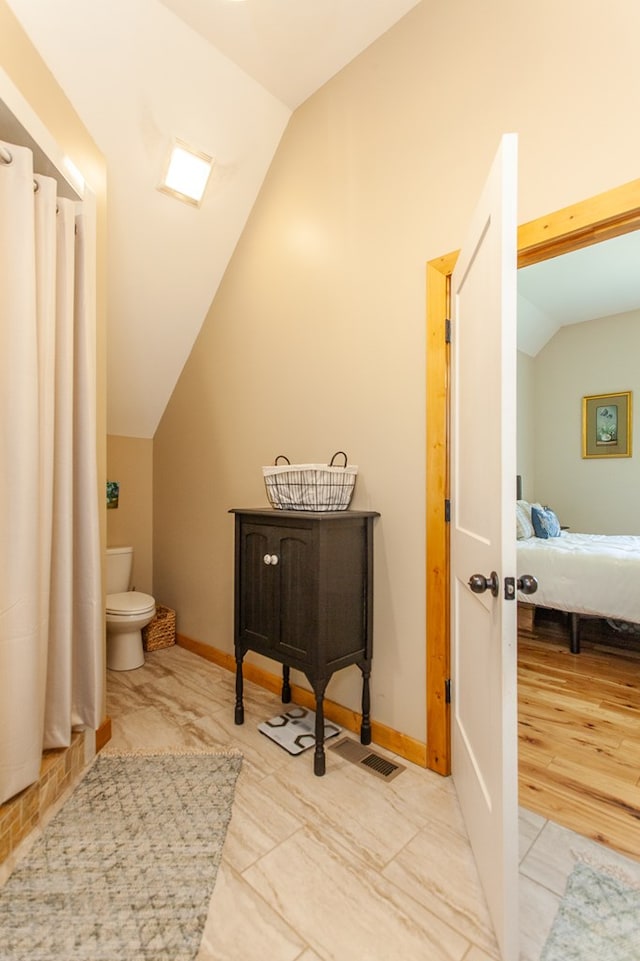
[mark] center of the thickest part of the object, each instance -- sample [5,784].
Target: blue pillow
[545,522]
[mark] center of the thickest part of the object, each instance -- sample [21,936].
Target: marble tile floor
[341,867]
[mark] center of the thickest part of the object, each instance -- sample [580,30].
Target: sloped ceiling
[224,76]
[597,281]
[291,47]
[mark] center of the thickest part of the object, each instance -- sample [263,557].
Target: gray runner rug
[126,869]
[598,919]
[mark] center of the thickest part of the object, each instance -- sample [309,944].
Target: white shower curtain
[51,617]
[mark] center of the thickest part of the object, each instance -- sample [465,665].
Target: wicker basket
[310,487]
[161,631]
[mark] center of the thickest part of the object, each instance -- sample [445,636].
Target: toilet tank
[119,563]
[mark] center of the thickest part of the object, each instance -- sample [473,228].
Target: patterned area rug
[598,919]
[127,867]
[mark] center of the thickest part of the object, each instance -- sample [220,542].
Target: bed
[595,575]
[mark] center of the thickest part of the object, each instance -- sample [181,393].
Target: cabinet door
[278,590]
[257,601]
[297,593]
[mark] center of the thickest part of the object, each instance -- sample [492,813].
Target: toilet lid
[129,602]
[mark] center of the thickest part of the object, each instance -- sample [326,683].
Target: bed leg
[575,634]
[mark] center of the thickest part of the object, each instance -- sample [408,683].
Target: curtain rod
[7,158]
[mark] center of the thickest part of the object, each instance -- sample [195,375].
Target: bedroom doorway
[599,218]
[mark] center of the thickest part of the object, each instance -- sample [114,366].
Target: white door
[483,541]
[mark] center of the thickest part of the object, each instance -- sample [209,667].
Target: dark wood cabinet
[303,596]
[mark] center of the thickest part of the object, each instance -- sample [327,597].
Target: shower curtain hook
[6,156]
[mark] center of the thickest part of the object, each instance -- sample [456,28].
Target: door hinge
[447,511]
[447,691]
[447,331]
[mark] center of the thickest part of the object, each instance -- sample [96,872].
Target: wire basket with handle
[310,487]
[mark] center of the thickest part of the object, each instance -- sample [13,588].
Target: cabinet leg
[286,687]
[319,760]
[365,727]
[239,712]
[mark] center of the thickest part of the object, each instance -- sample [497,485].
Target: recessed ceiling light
[186,174]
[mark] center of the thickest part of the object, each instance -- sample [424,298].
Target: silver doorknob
[528,584]
[479,583]
[270,559]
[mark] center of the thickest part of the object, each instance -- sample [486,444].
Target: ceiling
[586,284]
[222,75]
[291,47]
[225,76]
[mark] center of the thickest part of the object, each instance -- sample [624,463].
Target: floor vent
[358,754]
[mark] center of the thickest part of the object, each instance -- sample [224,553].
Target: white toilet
[127,612]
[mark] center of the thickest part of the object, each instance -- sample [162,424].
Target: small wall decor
[113,493]
[606,425]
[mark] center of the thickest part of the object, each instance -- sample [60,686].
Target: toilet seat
[129,603]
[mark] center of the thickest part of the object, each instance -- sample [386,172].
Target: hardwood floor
[579,730]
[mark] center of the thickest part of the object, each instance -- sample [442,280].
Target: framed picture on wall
[113,494]
[606,425]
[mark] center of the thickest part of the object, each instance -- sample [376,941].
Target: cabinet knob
[270,559]
[274,559]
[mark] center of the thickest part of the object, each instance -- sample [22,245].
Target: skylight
[187,173]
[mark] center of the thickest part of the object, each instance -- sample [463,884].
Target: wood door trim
[438,662]
[606,215]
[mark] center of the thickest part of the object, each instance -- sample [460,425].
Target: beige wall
[316,339]
[600,495]
[525,458]
[28,72]
[130,462]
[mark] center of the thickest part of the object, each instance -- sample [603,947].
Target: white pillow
[524,525]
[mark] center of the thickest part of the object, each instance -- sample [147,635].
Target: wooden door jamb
[599,218]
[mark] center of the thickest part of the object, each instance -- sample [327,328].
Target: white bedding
[584,573]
